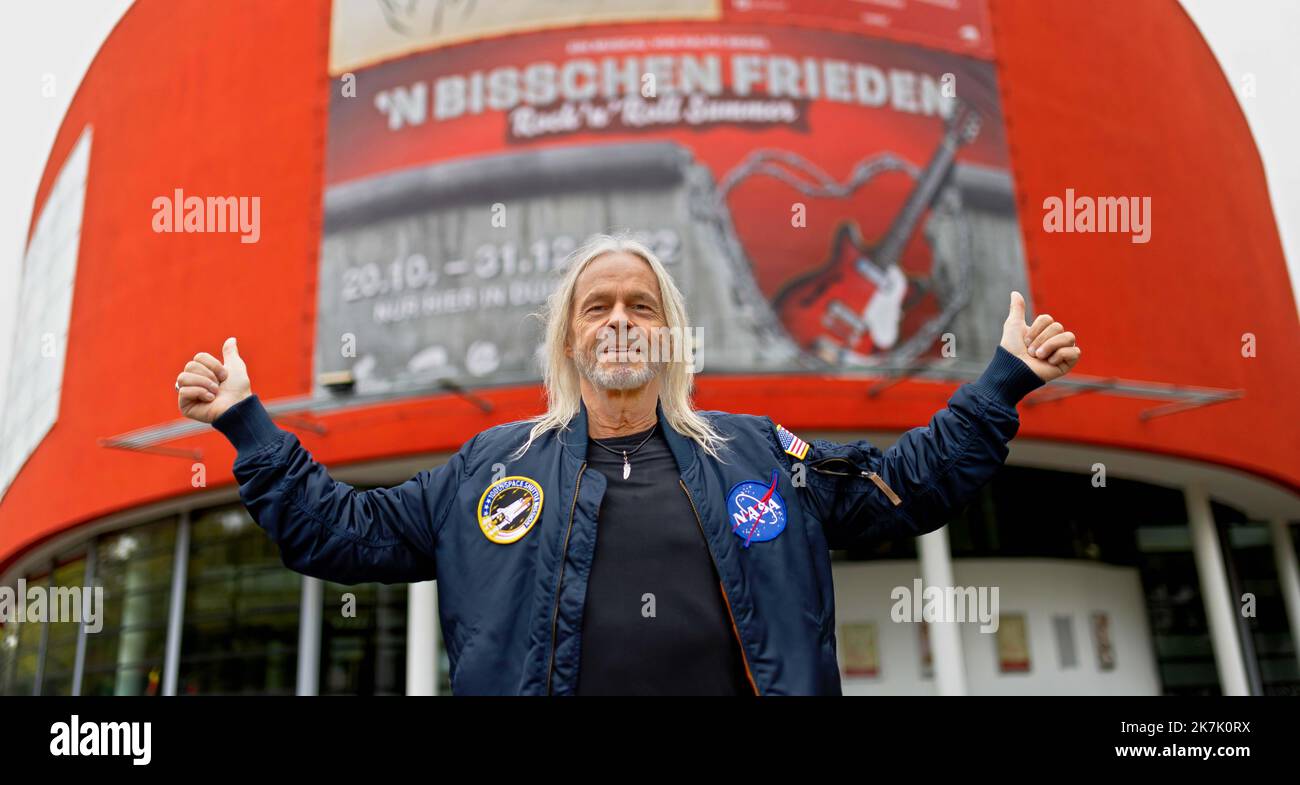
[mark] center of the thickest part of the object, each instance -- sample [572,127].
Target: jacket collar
[682,447]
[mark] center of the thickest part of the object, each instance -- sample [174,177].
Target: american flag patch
[792,444]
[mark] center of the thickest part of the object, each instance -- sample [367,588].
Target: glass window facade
[61,646]
[20,654]
[242,609]
[134,568]
[8,656]
[1262,608]
[1131,524]
[239,627]
[363,640]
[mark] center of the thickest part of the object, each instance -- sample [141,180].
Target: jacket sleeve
[328,529]
[861,494]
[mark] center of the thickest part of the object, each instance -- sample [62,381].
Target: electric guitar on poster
[854,302]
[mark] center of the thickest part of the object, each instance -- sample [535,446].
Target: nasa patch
[756,510]
[509,508]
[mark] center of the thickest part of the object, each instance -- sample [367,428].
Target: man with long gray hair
[633,544]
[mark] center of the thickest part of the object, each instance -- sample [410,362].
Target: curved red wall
[1129,102]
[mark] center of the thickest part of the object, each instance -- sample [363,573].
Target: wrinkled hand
[209,387]
[1045,346]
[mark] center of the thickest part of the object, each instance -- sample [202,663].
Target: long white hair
[560,374]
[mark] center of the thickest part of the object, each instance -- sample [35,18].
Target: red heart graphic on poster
[856,278]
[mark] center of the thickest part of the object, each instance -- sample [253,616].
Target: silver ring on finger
[178,385]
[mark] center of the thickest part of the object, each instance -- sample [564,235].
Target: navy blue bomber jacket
[512,553]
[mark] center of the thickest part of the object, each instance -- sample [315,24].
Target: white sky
[60,38]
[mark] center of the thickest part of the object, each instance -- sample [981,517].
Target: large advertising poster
[830,191]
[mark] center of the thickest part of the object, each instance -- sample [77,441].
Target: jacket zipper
[875,478]
[550,670]
[725,601]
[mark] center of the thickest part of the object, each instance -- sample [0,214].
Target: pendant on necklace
[627,467]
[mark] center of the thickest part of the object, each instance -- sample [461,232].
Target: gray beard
[615,376]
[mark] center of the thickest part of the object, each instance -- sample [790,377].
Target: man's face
[616,295]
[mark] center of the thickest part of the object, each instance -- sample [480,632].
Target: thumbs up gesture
[1045,346]
[209,387]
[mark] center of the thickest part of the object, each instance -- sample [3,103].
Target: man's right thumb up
[229,350]
[231,360]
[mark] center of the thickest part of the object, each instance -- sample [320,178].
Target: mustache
[621,340]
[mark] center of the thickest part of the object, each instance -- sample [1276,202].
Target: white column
[309,621]
[176,605]
[1288,576]
[945,637]
[1215,592]
[422,638]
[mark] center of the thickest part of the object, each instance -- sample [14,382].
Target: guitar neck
[900,231]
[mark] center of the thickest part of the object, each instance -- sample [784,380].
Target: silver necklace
[627,465]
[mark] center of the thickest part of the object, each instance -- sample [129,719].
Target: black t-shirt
[655,622]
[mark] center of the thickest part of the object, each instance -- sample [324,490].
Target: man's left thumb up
[1017,313]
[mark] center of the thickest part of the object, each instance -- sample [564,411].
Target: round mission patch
[509,509]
